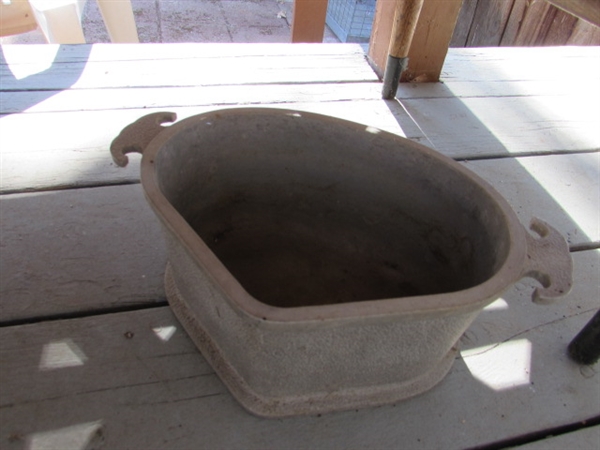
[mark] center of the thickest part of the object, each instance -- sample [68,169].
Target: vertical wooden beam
[308,24]
[430,42]
[381,33]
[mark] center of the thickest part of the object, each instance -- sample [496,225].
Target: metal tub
[320,264]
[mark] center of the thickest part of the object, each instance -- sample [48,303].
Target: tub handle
[136,136]
[548,261]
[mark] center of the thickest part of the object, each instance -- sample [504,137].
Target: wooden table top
[90,353]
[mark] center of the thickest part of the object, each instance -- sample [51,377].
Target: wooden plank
[513,26]
[561,189]
[308,23]
[78,250]
[53,53]
[585,9]
[102,247]
[431,39]
[561,28]
[132,380]
[381,33]
[463,23]
[487,89]
[584,34]
[520,64]
[183,72]
[584,439]
[467,128]
[183,96]
[534,21]
[489,22]
[72,148]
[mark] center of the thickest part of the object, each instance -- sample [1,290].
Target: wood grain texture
[183,72]
[78,250]
[585,9]
[70,149]
[584,34]
[36,54]
[489,23]
[464,23]
[308,23]
[406,18]
[473,127]
[134,380]
[431,40]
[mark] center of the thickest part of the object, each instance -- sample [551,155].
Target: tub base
[310,403]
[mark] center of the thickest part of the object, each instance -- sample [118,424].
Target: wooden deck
[91,356]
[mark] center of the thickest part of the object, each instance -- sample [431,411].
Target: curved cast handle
[135,137]
[548,261]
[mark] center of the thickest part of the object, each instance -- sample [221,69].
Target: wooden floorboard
[78,250]
[38,54]
[72,148]
[186,72]
[475,127]
[109,235]
[134,380]
[564,64]
[189,96]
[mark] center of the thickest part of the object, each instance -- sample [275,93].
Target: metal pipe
[406,17]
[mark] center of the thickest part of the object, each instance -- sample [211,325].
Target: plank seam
[540,435]
[83,314]
[525,154]
[373,79]
[91,185]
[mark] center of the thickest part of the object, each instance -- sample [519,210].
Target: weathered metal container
[320,264]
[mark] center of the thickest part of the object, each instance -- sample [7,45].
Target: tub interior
[304,210]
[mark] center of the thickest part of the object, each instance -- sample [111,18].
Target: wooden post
[405,21]
[308,24]
[430,41]
[119,20]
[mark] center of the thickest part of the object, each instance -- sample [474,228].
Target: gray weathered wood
[78,250]
[519,64]
[585,439]
[186,72]
[561,189]
[72,148]
[489,22]
[478,126]
[134,380]
[183,96]
[36,54]
[91,249]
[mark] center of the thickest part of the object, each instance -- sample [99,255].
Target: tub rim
[473,298]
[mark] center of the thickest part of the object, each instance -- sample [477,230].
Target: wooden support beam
[430,41]
[308,24]
[588,10]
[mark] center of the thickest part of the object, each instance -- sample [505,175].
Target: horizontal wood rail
[588,10]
